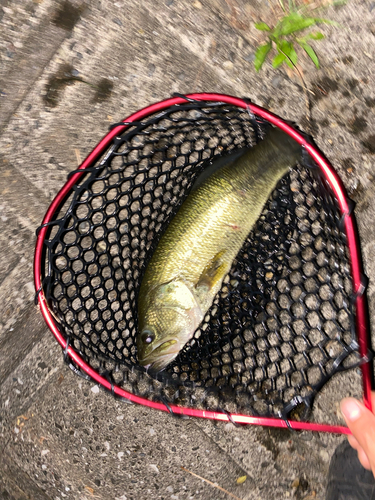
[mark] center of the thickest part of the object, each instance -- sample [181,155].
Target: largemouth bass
[197,249]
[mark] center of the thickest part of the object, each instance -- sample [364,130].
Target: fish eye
[147,337]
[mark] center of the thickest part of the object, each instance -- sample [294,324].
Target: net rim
[350,230]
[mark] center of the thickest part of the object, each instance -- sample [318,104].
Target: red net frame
[362,326]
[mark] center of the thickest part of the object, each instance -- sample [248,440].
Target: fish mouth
[158,359]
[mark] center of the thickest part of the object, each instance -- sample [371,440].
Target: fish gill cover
[282,323]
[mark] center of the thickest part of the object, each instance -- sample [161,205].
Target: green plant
[283,37]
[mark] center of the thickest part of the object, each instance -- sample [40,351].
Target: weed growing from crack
[287,35]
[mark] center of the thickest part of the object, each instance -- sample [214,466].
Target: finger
[361,422]
[362,457]
[353,442]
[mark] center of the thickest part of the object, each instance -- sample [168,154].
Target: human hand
[361,422]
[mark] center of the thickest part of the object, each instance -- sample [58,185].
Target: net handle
[362,327]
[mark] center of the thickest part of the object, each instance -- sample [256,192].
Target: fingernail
[351,409]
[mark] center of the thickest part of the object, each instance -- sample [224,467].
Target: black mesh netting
[281,325]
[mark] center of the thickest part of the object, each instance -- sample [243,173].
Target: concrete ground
[60,436]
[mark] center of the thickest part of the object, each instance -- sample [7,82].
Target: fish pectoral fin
[214,272]
[174,294]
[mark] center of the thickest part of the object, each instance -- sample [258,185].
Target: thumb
[361,422]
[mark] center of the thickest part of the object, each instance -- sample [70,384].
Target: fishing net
[283,321]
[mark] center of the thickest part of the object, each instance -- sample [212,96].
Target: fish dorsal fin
[213,273]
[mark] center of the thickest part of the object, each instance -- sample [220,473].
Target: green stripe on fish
[197,249]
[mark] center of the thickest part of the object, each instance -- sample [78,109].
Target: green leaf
[310,36]
[288,50]
[314,36]
[296,22]
[261,54]
[278,60]
[262,26]
[310,52]
[292,23]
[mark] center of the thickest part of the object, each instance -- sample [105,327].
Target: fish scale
[198,247]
